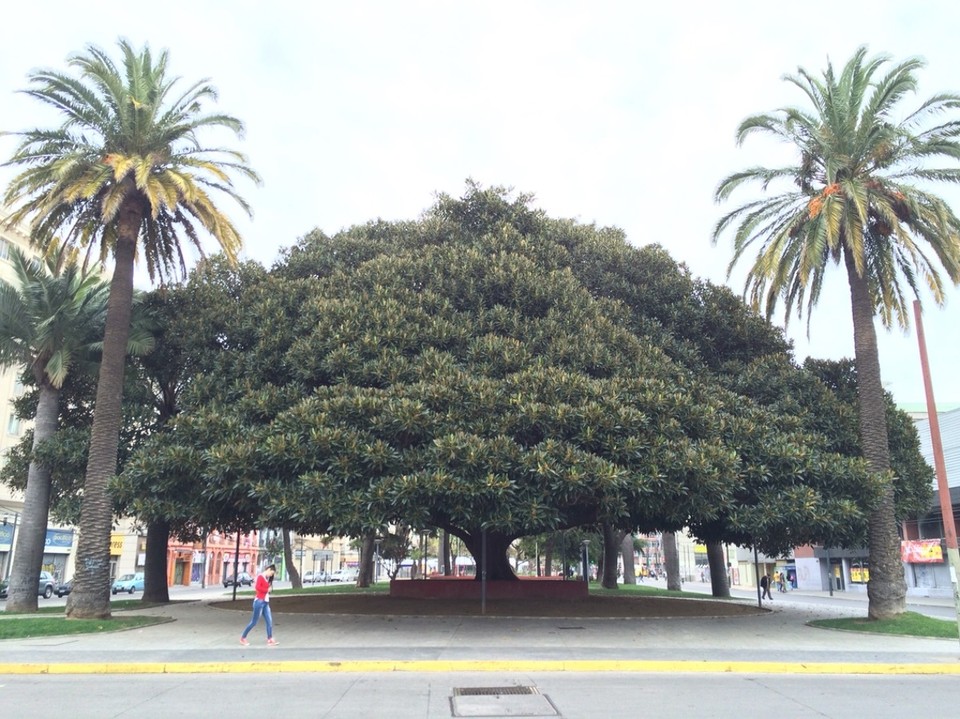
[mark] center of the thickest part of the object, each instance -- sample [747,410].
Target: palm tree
[125,174]
[50,318]
[856,199]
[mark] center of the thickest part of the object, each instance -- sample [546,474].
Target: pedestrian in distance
[765,582]
[261,606]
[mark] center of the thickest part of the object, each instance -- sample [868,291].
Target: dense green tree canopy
[489,368]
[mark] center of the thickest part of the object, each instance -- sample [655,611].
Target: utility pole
[946,506]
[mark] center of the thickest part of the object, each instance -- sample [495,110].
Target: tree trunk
[719,585]
[496,563]
[288,562]
[887,589]
[612,538]
[671,561]
[548,556]
[626,552]
[32,527]
[365,575]
[155,587]
[445,554]
[90,598]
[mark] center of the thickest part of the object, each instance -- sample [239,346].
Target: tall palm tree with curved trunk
[51,319]
[856,196]
[124,175]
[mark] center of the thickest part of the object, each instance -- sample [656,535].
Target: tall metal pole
[829,572]
[301,558]
[483,570]
[236,564]
[946,506]
[756,569]
[203,578]
[585,560]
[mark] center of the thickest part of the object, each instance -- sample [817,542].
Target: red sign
[921,551]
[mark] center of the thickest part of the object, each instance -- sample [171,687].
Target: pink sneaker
[271,642]
[244,642]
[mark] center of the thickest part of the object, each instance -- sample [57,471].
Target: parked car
[316,577]
[45,587]
[65,588]
[345,575]
[129,583]
[245,579]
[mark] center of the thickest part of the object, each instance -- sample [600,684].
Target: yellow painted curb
[506,666]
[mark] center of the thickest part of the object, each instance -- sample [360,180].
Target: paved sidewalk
[204,638]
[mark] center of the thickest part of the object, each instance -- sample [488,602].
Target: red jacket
[262,587]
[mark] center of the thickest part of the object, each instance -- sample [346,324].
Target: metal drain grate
[515,701]
[492,691]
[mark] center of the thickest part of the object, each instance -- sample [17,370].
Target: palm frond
[857,196]
[126,119]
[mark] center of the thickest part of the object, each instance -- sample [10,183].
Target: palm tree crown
[125,174]
[856,198]
[127,139]
[51,317]
[855,189]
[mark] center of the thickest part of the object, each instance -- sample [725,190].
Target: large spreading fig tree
[495,373]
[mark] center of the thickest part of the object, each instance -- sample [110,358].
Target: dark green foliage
[488,367]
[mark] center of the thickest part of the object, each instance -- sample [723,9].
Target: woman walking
[261,605]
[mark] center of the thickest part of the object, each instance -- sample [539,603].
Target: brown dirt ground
[592,607]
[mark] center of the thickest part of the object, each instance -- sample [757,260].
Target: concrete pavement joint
[509,666]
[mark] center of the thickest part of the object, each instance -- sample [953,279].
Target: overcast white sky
[618,113]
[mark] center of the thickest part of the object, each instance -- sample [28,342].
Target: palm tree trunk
[155,589]
[886,589]
[32,534]
[90,598]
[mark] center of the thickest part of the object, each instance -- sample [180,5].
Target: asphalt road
[194,666]
[430,696]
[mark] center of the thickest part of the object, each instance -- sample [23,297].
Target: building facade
[925,566]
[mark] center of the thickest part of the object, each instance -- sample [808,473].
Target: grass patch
[646,591]
[40,610]
[117,605]
[908,624]
[334,588]
[24,627]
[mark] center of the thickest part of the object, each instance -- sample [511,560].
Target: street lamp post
[301,558]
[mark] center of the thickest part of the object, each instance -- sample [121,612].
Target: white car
[345,575]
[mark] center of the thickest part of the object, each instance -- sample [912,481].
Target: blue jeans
[260,607]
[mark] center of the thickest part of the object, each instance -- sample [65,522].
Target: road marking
[507,666]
